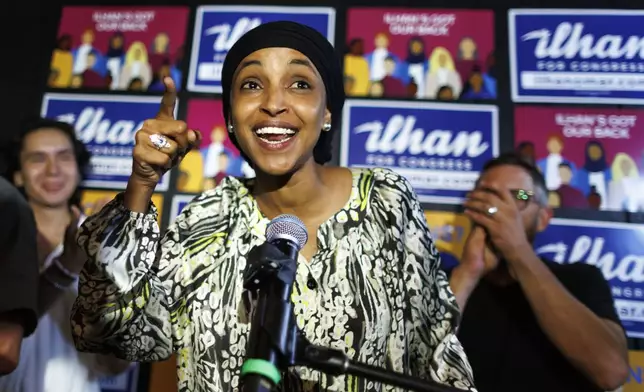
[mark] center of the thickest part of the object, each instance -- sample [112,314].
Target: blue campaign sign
[179,202]
[106,124]
[617,249]
[217,28]
[126,382]
[577,56]
[440,148]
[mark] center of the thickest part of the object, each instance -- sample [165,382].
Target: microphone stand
[271,336]
[276,333]
[336,363]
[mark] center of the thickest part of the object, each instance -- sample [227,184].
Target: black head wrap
[312,44]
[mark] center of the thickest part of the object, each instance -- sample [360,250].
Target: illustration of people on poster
[591,158]
[119,48]
[420,53]
[217,156]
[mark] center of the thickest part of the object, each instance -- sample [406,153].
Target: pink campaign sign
[444,54]
[217,156]
[119,48]
[591,158]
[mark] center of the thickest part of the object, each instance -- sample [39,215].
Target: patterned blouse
[374,288]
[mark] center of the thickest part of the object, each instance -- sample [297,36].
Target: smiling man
[47,163]
[530,324]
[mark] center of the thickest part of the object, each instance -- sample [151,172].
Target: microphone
[288,234]
[271,273]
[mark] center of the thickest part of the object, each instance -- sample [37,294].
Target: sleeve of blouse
[128,292]
[434,350]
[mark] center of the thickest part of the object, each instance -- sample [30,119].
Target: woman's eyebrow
[303,62]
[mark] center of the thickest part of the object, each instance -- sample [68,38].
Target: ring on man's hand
[492,210]
[159,141]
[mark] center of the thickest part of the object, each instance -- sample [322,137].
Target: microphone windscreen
[287,227]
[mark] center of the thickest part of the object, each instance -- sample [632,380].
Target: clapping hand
[493,207]
[73,257]
[478,257]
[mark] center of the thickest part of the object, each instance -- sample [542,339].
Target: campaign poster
[576,56]
[125,382]
[106,124]
[439,148]
[635,381]
[217,156]
[617,249]
[93,200]
[217,28]
[127,48]
[179,202]
[590,157]
[449,231]
[420,53]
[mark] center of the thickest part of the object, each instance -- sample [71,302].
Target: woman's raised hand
[162,142]
[160,145]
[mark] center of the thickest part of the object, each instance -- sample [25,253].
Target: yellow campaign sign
[635,382]
[93,200]
[449,230]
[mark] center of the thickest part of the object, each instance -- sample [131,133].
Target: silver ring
[492,210]
[159,141]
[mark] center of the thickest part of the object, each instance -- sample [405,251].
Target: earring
[326,127]
[230,128]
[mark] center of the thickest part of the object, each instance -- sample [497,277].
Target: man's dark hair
[30,125]
[516,159]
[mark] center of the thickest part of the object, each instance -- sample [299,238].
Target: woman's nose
[274,101]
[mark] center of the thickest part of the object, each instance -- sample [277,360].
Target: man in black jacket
[529,324]
[18,275]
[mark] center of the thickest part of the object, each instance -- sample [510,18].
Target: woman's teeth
[275,134]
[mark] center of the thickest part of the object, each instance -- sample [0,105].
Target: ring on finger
[492,210]
[159,141]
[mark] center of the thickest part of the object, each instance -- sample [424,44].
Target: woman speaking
[368,279]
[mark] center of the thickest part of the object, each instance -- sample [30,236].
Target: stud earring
[326,127]
[230,128]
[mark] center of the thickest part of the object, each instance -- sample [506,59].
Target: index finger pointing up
[169,99]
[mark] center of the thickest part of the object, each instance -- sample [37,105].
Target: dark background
[30,29]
